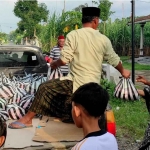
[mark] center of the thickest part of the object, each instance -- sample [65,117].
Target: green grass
[129,65]
[131,118]
[137,66]
[124,58]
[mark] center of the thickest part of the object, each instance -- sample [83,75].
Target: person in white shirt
[89,102]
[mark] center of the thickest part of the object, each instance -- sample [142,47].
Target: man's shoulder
[76,31]
[104,36]
[98,142]
[72,32]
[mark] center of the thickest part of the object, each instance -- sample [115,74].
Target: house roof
[141,20]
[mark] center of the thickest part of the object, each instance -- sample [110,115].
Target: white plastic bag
[54,74]
[126,90]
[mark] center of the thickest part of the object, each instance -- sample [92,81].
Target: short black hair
[3,129]
[87,19]
[92,97]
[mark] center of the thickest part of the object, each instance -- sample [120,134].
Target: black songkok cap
[91,11]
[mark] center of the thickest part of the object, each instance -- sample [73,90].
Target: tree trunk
[123,51]
[104,27]
[26,41]
[35,32]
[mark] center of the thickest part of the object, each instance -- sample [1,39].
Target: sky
[122,8]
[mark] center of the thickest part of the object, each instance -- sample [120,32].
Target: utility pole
[133,41]
[122,10]
[63,10]
[64,5]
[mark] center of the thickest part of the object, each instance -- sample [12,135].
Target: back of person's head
[92,97]
[89,13]
[3,132]
[87,19]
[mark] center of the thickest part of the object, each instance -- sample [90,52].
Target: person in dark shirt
[145,93]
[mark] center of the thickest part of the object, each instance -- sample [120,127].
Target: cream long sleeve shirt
[85,49]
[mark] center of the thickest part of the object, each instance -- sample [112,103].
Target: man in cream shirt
[85,49]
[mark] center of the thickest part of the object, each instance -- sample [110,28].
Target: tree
[31,14]
[15,36]
[50,32]
[105,6]
[79,8]
[71,20]
[59,25]
[3,37]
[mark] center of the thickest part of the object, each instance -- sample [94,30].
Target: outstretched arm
[143,80]
[114,60]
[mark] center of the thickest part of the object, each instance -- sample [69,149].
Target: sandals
[21,125]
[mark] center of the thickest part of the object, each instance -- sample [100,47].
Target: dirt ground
[127,144]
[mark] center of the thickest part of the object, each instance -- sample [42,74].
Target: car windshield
[15,58]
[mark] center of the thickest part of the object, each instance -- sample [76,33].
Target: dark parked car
[19,59]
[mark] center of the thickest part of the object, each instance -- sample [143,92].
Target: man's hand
[57,63]
[141,92]
[53,64]
[125,73]
[141,79]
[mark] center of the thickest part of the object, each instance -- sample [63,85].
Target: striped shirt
[55,54]
[98,140]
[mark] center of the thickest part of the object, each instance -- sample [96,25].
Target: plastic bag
[54,74]
[126,90]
